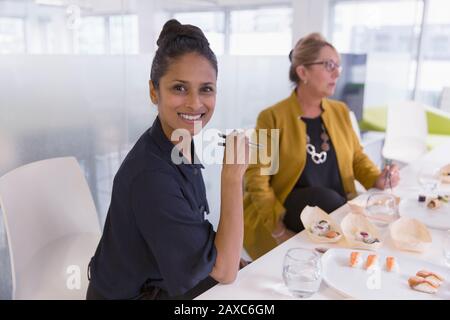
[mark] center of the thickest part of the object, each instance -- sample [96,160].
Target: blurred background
[74,73]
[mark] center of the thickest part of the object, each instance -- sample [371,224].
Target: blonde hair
[306,51]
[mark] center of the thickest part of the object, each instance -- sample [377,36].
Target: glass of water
[302,272]
[446,247]
[382,208]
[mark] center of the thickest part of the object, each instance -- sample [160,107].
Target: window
[212,24]
[92,35]
[116,34]
[388,32]
[261,31]
[12,35]
[124,34]
[435,63]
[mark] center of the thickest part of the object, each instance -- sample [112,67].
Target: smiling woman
[183,78]
[156,243]
[182,102]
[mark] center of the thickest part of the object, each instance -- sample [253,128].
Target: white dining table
[262,279]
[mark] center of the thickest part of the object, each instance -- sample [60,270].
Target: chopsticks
[387,177]
[222,135]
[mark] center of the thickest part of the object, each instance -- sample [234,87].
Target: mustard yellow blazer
[265,194]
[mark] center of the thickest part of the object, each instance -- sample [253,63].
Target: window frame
[227,16]
[420,53]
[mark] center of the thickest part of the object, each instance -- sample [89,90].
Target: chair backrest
[355,125]
[42,202]
[406,129]
[444,101]
[407,119]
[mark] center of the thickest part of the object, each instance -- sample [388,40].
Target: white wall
[309,16]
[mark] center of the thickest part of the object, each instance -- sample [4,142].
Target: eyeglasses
[329,65]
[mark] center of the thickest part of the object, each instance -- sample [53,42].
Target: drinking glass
[302,272]
[382,208]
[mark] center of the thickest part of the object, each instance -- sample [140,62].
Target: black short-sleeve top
[155,231]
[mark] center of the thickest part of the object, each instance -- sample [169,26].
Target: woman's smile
[191,117]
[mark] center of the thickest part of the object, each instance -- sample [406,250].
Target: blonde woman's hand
[389,177]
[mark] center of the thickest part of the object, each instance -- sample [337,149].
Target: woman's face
[320,81]
[186,93]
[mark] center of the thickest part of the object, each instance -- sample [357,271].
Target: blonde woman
[319,154]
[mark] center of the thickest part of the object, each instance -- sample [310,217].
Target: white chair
[358,186]
[444,100]
[406,132]
[355,125]
[52,229]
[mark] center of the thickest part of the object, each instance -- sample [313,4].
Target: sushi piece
[323,229]
[355,259]
[392,265]
[366,237]
[434,203]
[372,262]
[422,284]
[332,234]
[430,276]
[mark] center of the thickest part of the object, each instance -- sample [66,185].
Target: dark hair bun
[176,40]
[173,29]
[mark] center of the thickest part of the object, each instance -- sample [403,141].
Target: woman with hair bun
[156,242]
[319,153]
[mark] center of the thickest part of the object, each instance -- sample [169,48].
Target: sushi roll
[371,262]
[422,284]
[392,265]
[431,276]
[434,203]
[355,259]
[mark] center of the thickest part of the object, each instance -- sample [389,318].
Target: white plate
[357,283]
[434,218]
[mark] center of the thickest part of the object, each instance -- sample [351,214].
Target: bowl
[410,235]
[360,232]
[320,226]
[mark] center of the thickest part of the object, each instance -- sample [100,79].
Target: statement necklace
[318,157]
